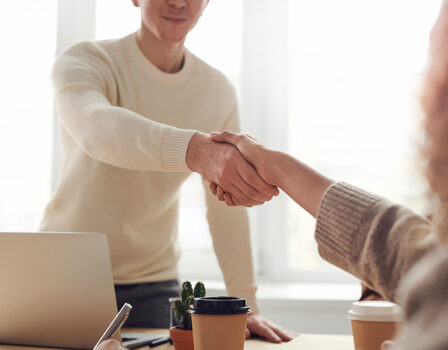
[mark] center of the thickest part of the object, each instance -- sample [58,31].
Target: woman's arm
[376,240]
[303,184]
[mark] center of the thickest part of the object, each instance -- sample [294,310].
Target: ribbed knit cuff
[174,149]
[339,223]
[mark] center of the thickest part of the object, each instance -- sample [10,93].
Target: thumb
[225,136]
[216,136]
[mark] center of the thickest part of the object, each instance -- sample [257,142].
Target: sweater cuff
[340,217]
[174,149]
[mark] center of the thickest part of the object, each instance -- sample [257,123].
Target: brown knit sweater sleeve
[370,237]
[424,293]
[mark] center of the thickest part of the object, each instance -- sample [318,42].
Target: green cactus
[187,291]
[182,305]
[199,290]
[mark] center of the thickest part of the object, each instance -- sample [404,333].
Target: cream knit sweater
[125,129]
[396,252]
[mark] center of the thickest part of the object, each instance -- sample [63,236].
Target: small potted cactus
[182,335]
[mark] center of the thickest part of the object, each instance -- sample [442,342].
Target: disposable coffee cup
[373,322]
[219,323]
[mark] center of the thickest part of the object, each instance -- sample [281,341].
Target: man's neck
[168,57]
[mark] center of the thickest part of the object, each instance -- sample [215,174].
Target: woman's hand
[223,164]
[253,151]
[300,182]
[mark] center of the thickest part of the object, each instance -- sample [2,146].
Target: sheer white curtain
[334,83]
[264,114]
[353,108]
[75,23]
[28,39]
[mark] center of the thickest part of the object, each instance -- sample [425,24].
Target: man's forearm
[303,184]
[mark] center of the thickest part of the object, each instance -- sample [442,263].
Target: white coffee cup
[373,322]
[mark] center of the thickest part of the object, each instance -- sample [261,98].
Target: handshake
[239,169]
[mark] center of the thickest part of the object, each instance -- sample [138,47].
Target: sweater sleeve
[229,227]
[84,90]
[370,237]
[424,292]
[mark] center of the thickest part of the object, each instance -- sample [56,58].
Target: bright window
[354,73]
[28,37]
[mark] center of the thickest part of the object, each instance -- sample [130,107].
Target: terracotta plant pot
[182,340]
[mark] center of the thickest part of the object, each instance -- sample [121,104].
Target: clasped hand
[239,174]
[232,177]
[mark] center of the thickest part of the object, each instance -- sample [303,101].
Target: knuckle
[230,154]
[251,177]
[251,193]
[220,176]
[267,190]
[227,170]
[223,172]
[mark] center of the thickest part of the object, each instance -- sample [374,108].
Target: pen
[159,341]
[116,324]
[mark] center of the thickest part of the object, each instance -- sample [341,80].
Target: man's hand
[260,326]
[223,164]
[254,152]
[258,155]
[387,345]
[110,344]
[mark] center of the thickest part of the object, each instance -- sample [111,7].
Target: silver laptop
[56,290]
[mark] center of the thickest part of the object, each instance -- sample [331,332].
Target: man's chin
[173,38]
[176,41]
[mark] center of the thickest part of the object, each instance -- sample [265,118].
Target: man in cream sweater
[135,115]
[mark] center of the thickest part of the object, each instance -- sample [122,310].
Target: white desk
[302,342]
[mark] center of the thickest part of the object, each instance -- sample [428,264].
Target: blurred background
[334,83]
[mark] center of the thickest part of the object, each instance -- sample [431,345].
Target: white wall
[319,308]
[306,316]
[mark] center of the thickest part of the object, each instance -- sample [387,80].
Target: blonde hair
[435,104]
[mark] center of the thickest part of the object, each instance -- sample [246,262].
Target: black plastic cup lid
[219,306]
